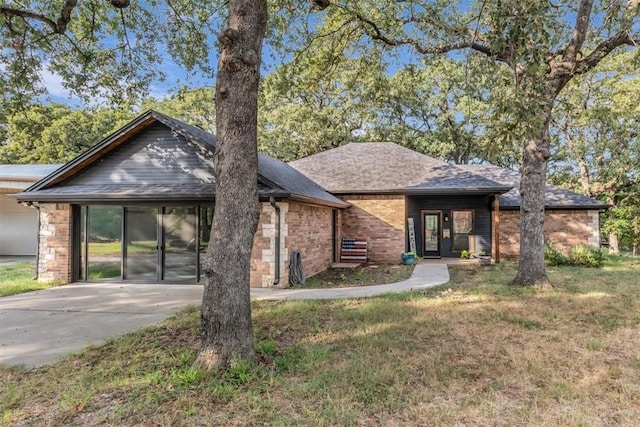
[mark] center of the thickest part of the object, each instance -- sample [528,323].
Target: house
[571,219]
[19,224]
[138,206]
[453,208]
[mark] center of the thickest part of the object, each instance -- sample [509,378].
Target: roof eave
[427,191]
[316,201]
[560,207]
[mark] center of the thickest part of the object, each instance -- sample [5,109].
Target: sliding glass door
[140,243]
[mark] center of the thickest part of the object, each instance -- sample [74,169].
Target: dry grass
[473,352]
[362,275]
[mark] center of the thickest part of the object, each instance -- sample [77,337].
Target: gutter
[36,207]
[276,278]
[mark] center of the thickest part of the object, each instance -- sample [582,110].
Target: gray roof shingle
[555,197]
[379,167]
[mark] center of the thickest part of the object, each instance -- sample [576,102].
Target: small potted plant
[408,258]
[483,258]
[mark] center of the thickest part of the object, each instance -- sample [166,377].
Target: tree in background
[596,140]
[56,133]
[446,110]
[322,99]
[195,106]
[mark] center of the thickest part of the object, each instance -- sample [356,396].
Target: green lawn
[472,352]
[18,278]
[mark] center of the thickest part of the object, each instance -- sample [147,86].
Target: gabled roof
[275,178]
[385,167]
[555,197]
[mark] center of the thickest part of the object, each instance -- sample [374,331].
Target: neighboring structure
[18,223]
[138,207]
[453,208]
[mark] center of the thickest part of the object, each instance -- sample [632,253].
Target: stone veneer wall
[262,253]
[308,230]
[379,218]
[54,250]
[563,228]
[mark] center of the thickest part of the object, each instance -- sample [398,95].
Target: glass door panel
[180,242]
[462,229]
[104,245]
[431,223]
[141,238]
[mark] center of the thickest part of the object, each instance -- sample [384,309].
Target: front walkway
[42,326]
[425,275]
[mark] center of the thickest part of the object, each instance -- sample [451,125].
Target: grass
[115,247]
[363,275]
[104,271]
[472,352]
[18,278]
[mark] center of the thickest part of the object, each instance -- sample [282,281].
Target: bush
[581,256]
[586,256]
[553,256]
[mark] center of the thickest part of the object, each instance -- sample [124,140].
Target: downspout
[276,278]
[37,207]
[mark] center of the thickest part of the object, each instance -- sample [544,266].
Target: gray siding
[482,218]
[155,156]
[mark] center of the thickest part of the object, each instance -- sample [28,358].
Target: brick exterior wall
[308,230]
[563,228]
[381,219]
[54,250]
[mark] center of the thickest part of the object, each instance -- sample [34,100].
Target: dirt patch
[363,275]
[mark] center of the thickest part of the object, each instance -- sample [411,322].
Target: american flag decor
[354,249]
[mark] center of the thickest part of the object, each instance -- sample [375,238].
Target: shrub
[586,256]
[553,256]
[465,254]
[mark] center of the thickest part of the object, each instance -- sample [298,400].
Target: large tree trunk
[614,247]
[227,331]
[531,267]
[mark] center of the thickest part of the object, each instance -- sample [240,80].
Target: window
[462,224]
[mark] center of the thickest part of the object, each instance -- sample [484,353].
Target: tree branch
[579,32]
[604,49]
[376,34]
[59,26]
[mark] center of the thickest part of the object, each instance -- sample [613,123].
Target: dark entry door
[431,237]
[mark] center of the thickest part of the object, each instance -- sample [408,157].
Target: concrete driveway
[36,328]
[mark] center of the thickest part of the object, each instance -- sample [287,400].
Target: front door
[431,237]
